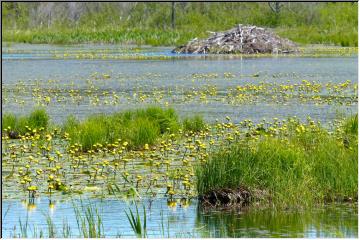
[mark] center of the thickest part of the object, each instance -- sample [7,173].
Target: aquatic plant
[351,125]
[194,124]
[134,219]
[306,166]
[51,226]
[89,220]
[37,119]
[137,127]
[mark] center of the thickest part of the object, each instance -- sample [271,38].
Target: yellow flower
[32,188]
[48,137]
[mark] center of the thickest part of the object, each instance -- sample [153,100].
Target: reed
[89,221]
[138,226]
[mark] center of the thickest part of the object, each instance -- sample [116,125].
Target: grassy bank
[151,23]
[302,166]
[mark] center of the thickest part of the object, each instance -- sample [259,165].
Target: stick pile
[241,39]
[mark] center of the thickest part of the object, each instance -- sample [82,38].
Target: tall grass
[51,227]
[137,127]
[296,170]
[138,226]
[194,124]
[351,125]
[89,221]
[36,119]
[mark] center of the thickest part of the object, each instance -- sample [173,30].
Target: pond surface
[87,79]
[33,72]
[188,221]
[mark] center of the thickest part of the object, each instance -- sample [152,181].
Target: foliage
[150,23]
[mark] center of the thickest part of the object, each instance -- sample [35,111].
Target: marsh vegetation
[123,141]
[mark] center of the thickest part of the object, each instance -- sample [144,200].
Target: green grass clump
[299,169]
[35,120]
[194,124]
[142,131]
[8,120]
[351,125]
[138,127]
[38,118]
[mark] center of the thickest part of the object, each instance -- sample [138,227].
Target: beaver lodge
[241,39]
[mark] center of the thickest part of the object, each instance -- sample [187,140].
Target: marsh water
[134,72]
[79,74]
[180,221]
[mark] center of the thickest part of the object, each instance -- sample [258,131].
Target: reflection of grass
[278,223]
[308,165]
[138,127]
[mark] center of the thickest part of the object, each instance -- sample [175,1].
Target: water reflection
[182,218]
[330,221]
